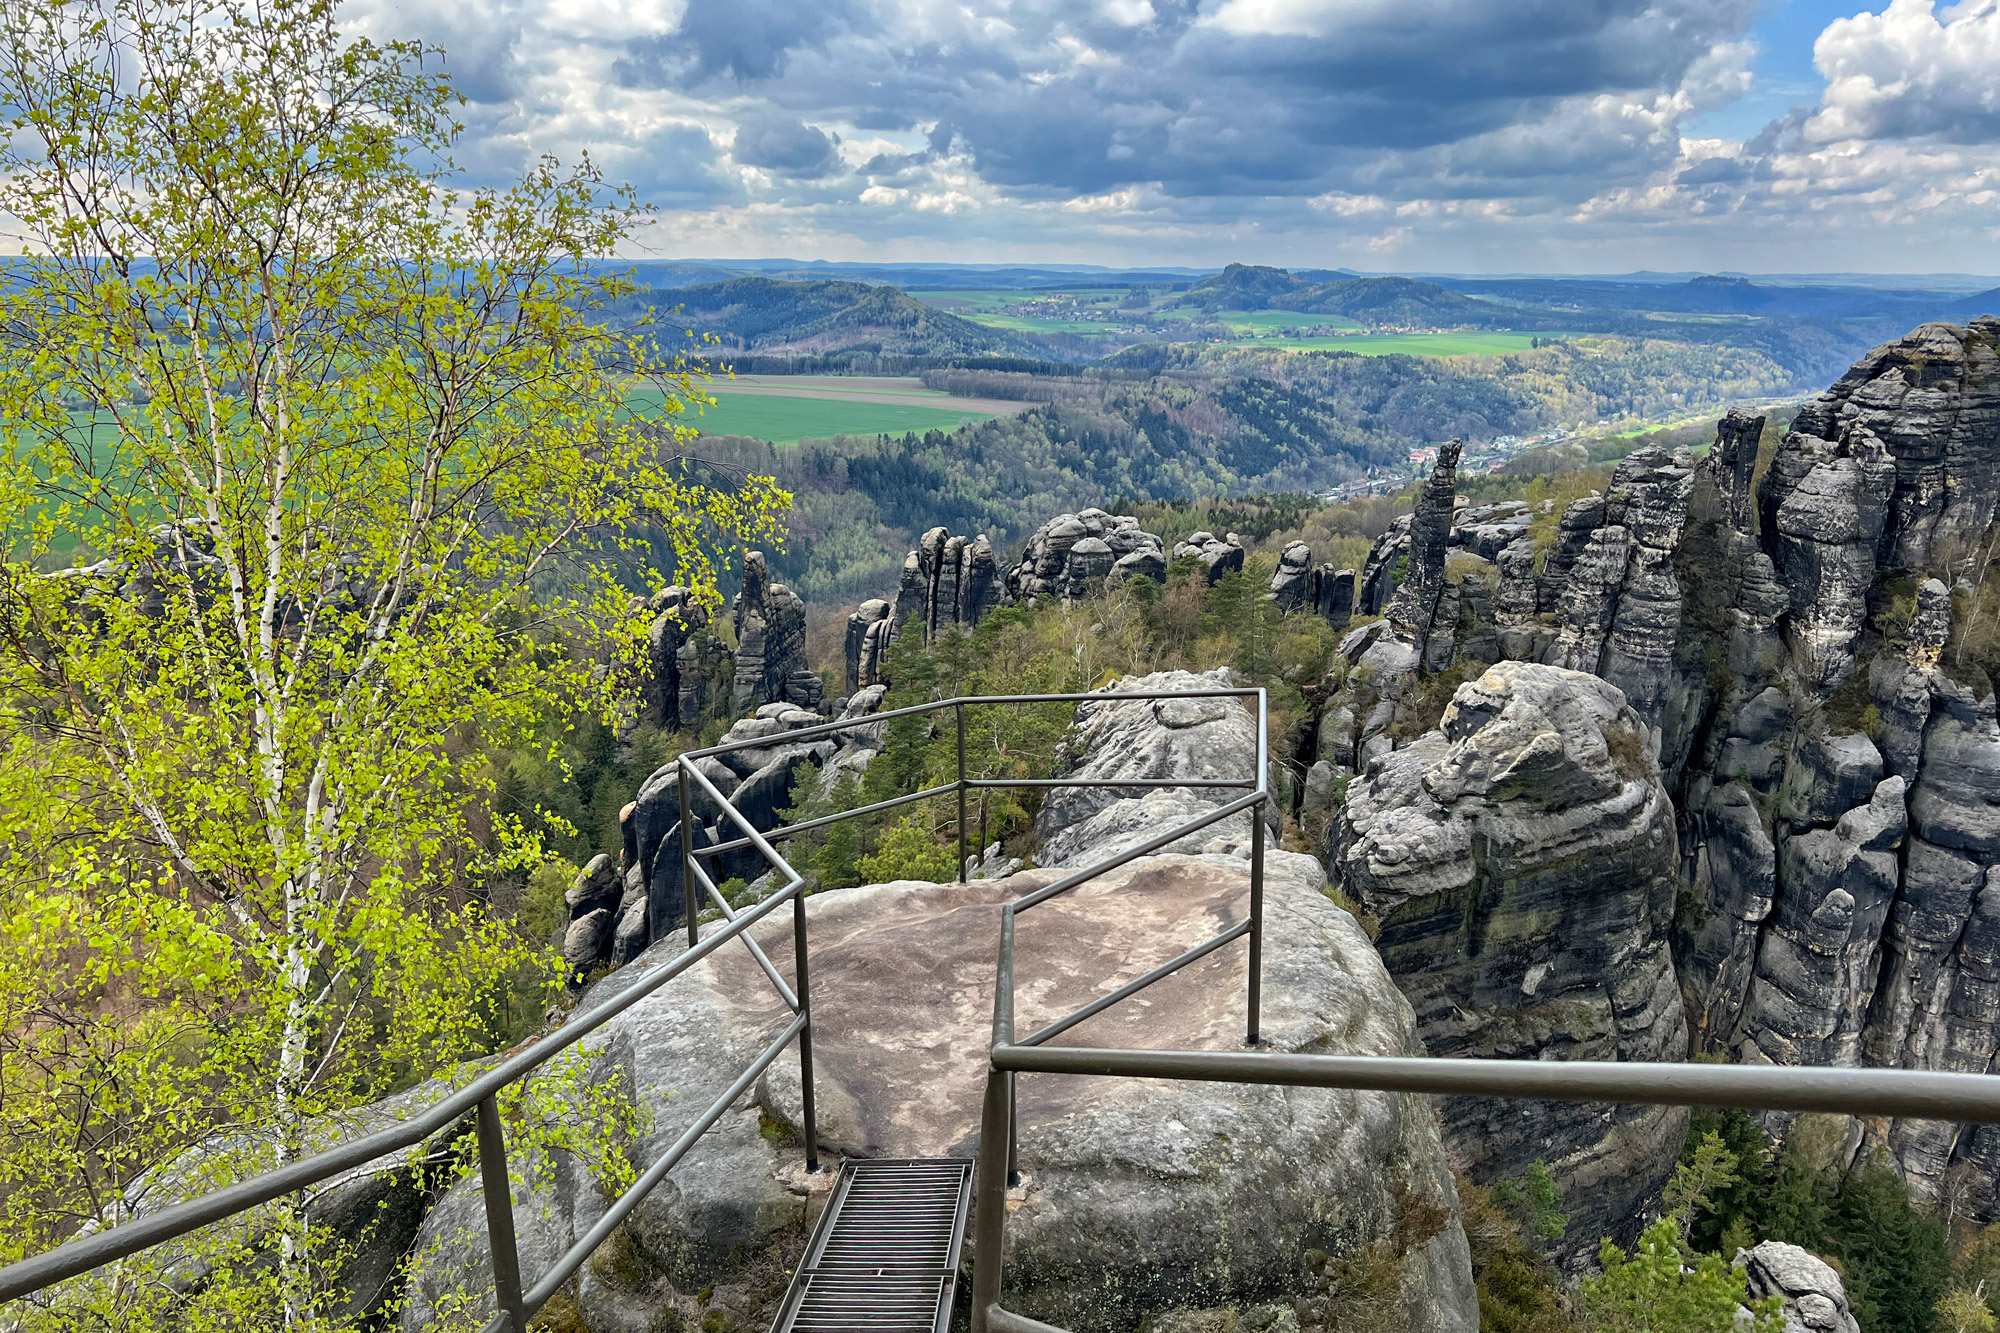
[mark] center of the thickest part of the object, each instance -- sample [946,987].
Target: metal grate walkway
[884,1257]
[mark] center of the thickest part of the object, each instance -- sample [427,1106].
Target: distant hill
[1401,302]
[766,315]
[1245,287]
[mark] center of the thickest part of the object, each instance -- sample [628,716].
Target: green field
[787,420]
[1412,344]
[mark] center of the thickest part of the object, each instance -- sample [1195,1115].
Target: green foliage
[1517,1291]
[1894,1258]
[908,850]
[1534,1202]
[1664,1287]
[346,500]
[1962,1311]
[1707,1167]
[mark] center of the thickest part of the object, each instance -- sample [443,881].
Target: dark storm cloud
[743,40]
[784,144]
[1282,97]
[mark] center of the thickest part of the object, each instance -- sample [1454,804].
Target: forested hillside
[809,317]
[1195,422]
[859,502]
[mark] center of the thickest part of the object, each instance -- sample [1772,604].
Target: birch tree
[313,468]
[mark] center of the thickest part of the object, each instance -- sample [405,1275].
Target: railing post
[500,1216]
[806,1032]
[687,860]
[1256,921]
[1013,1135]
[1256,997]
[961,794]
[989,1200]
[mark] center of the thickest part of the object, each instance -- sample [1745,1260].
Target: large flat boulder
[1138,1197]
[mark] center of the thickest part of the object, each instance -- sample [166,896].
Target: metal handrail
[516,1306]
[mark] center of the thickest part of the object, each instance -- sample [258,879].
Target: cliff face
[1520,861]
[1832,772]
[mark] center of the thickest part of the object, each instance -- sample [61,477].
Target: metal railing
[516,1305]
[1957,1097]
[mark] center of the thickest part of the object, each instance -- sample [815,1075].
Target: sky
[1382,135]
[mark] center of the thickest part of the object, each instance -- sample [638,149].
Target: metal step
[884,1257]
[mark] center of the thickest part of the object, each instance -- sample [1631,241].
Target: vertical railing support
[1013,1135]
[989,1199]
[804,986]
[687,860]
[961,795]
[1256,999]
[499,1191]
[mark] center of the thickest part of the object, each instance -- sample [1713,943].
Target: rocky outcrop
[1221,555]
[1814,1299]
[1619,613]
[1137,1197]
[1151,739]
[761,781]
[1834,767]
[1520,861]
[869,630]
[770,640]
[947,581]
[1300,586]
[1411,610]
[1074,555]
[687,665]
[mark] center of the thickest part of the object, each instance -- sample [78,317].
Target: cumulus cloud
[1439,131]
[1909,72]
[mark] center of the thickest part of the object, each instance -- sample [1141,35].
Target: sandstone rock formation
[947,581]
[688,667]
[1222,555]
[1521,863]
[1299,585]
[1138,1197]
[869,630]
[770,641]
[1814,1299]
[1151,738]
[1073,555]
[1835,768]
[617,911]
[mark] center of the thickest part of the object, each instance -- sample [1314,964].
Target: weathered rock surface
[1222,555]
[1150,739]
[685,661]
[761,780]
[1074,555]
[1520,861]
[1836,771]
[1138,1197]
[1412,609]
[1814,1299]
[770,637]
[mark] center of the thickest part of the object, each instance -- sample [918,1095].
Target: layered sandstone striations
[1520,861]
[770,642]
[1788,646]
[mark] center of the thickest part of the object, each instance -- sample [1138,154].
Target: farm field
[785,409]
[1410,344]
